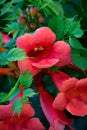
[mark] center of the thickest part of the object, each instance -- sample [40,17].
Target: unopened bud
[41,19]
[21,20]
[33,25]
[33,11]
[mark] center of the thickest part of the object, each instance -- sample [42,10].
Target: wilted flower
[41,50]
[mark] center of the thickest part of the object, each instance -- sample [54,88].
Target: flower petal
[34,124]
[68,84]
[25,42]
[44,37]
[3,126]
[58,78]
[27,111]
[60,102]
[57,126]
[82,83]
[26,65]
[77,107]
[62,51]
[45,63]
[5,111]
[51,113]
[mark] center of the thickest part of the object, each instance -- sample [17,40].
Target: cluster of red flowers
[43,52]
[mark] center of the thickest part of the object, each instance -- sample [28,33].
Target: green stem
[11,92]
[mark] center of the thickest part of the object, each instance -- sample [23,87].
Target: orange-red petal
[62,51]
[44,36]
[69,84]
[45,63]
[34,124]
[58,78]
[26,65]
[25,42]
[77,107]
[60,102]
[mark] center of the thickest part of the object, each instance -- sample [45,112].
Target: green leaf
[17,106]
[16,1]
[75,29]
[6,7]
[26,94]
[79,60]
[57,25]
[1,39]
[14,26]
[29,92]
[26,79]
[67,24]
[15,33]
[52,6]
[16,54]
[75,43]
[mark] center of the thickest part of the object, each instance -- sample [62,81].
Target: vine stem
[11,92]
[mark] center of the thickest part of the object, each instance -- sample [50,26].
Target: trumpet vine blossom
[42,51]
[73,94]
[10,121]
[57,119]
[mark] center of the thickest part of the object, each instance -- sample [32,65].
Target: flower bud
[21,20]
[33,11]
[33,25]
[41,19]
[38,14]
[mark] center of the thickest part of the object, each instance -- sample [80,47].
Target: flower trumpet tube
[42,51]
[72,96]
[57,119]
